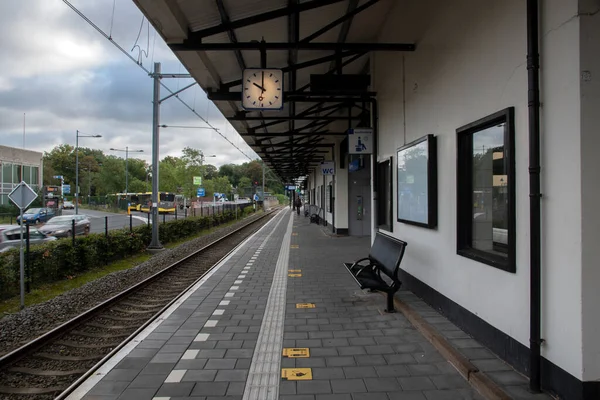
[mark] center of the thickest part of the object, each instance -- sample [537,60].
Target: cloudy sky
[65,76]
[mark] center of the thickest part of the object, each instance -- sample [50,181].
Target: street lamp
[77,136]
[127,151]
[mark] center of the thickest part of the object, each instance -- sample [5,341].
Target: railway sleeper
[55,357]
[26,391]
[39,372]
[70,343]
[99,335]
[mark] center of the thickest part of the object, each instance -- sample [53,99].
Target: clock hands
[260,87]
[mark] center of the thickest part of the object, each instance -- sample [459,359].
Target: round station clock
[262,89]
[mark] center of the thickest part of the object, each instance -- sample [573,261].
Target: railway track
[49,366]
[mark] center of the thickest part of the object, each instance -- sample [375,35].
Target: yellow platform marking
[294,275]
[305,305]
[296,374]
[295,246]
[296,352]
[294,270]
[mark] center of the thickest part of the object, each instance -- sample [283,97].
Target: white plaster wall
[471,62]
[590,165]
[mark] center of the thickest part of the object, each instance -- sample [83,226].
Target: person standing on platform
[298,204]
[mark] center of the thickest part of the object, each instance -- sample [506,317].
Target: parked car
[10,237]
[36,215]
[63,227]
[68,205]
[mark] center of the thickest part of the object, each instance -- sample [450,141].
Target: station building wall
[470,62]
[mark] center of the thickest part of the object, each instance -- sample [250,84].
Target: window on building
[486,190]
[27,174]
[35,175]
[6,172]
[384,195]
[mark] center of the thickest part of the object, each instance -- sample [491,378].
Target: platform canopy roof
[217,39]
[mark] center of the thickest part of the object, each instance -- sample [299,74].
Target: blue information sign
[66,189]
[200,192]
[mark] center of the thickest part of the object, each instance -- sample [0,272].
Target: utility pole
[155,243]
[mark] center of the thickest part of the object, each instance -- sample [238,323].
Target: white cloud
[65,76]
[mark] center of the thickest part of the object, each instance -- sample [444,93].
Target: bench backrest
[388,252]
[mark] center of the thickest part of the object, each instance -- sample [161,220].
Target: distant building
[11,161]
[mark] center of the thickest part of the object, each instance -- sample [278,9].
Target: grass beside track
[50,291]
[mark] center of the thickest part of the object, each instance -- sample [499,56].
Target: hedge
[60,259]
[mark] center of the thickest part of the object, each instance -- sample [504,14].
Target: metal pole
[106,226]
[535,261]
[126,170]
[155,243]
[263,186]
[76,172]
[89,182]
[22,257]
[28,261]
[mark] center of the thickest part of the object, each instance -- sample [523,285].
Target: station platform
[285,290]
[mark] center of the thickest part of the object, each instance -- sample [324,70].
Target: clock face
[262,89]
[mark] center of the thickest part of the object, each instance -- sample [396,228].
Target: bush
[58,260]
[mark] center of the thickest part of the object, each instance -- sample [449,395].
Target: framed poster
[417,182]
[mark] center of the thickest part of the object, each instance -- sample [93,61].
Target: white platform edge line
[89,383]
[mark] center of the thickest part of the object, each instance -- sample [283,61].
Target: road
[120,221]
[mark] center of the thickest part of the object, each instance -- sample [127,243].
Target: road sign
[256,198]
[66,189]
[22,195]
[290,187]
[200,192]
[197,180]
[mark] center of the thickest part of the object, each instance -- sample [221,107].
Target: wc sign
[328,167]
[360,141]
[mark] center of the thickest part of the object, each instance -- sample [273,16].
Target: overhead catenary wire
[139,64]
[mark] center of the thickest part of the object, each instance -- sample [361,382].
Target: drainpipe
[533,66]
[375,126]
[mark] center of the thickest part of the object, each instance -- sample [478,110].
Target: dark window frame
[464,185]
[387,225]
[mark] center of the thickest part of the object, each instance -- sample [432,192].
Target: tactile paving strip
[264,376]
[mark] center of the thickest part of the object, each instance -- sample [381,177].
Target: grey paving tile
[340,361]
[210,389]
[313,387]
[220,363]
[175,389]
[413,395]
[108,388]
[199,375]
[137,394]
[507,377]
[123,375]
[339,396]
[370,396]
[328,373]
[416,383]
[348,386]
[234,375]
[382,384]
[287,387]
[147,382]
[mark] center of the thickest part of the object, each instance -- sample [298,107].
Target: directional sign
[256,198]
[200,192]
[22,195]
[66,189]
[360,141]
[197,180]
[328,167]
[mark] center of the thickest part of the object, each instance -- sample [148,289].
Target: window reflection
[489,191]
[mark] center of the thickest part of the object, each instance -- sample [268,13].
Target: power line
[139,64]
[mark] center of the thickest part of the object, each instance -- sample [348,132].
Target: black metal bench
[384,259]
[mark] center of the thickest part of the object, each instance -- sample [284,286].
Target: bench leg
[390,303]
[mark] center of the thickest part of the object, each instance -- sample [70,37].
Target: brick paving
[204,349]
